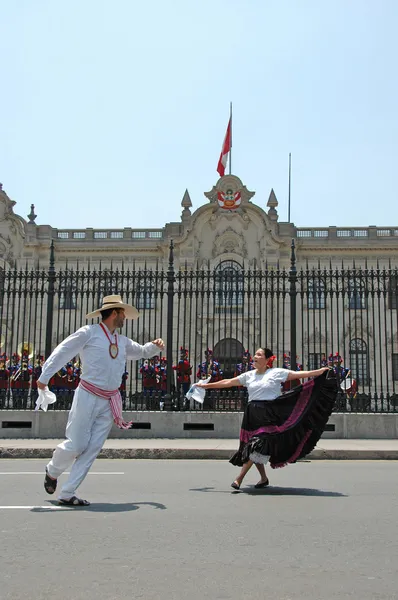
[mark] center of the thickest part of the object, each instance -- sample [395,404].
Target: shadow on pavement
[274,491]
[290,491]
[102,507]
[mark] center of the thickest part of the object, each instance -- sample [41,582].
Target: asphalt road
[175,530]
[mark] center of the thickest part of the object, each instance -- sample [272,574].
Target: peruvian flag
[226,149]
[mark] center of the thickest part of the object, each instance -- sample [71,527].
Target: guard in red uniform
[122,388]
[245,365]
[20,380]
[4,379]
[184,372]
[209,367]
[38,362]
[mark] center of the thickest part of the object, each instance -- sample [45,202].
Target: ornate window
[228,352]
[67,298]
[395,366]
[229,285]
[316,293]
[356,293]
[392,291]
[359,362]
[145,296]
[67,291]
[145,290]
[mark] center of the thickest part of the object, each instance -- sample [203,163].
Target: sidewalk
[216,449]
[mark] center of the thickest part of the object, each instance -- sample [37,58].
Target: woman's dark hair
[107,312]
[267,352]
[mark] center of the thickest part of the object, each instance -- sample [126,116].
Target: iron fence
[307,313]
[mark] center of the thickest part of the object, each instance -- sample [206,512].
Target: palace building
[237,275]
[229,226]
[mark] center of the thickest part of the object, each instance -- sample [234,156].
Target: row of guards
[154,371]
[20,374]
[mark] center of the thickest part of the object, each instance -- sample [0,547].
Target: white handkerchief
[44,399]
[196,392]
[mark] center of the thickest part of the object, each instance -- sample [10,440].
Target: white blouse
[98,367]
[264,386]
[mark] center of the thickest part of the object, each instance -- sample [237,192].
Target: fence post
[50,302]
[170,323]
[293,309]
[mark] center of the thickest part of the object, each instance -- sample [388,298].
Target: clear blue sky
[110,109]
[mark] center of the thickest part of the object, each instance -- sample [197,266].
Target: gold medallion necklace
[113,347]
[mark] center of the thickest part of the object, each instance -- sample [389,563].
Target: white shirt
[264,386]
[98,367]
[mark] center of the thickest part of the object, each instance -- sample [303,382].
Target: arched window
[356,293]
[67,290]
[145,289]
[392,291]
[228,286]
[67,298]
[228,352]
[359,363]
[316,293]
[145,294]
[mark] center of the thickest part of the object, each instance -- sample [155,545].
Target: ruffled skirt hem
[288,428]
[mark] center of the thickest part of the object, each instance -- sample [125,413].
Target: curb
[199,454]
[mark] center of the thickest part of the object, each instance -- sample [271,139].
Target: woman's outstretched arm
[224,383]
[304,374]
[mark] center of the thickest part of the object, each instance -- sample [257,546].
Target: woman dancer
[278,428]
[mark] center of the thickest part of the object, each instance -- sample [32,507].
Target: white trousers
[90,421]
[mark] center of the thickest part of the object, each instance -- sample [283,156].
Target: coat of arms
[229,193]
[229,200]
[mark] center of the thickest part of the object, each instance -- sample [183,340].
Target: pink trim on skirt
[296,413]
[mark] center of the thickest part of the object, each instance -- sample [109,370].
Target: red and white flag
[226,149]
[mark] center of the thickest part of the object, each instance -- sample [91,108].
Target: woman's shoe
[235,485]
[261,485]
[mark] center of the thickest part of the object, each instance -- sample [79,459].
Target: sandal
[235,485]
[50,484]
[74,501]
[261,485]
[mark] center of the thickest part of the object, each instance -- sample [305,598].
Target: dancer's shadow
[274,491]
[102,507]
[291,491]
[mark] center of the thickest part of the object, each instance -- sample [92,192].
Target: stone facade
[249,234]
[232,229]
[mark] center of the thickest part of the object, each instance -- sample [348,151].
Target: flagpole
[230,152]
[290,180]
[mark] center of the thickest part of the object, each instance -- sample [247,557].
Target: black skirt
[289,427]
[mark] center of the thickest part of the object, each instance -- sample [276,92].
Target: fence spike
[293,256]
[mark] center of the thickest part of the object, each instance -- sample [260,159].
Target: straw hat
[115,301]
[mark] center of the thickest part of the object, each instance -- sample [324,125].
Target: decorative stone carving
[272,203]
[186,200]
[186,204]
[31,215]
[230,242]
[12,230]
[229,193]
